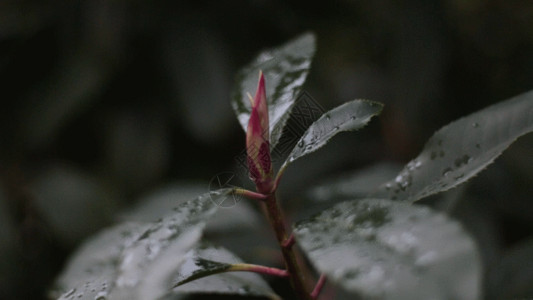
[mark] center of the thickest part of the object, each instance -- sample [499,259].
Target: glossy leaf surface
[285,69]
[384,249]
[349,116]
[460,150]
[206,260]
[136,260]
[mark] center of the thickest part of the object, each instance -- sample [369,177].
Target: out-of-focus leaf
[206,260]
[91,272]
[133,261]
[354,185]
[349,116]
[67,92]
[511,278]
[460,150]
[285,69]
[160,203]
[383,249]
[73,203]
[137,148]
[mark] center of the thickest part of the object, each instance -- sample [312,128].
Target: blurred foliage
[105,100]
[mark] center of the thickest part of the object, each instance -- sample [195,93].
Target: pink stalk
[318,287]
[258,269]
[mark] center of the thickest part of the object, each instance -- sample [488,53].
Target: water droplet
[69,293]
[301,144]
[433,155]
[446,172]
[475,124]
[460,176]
[101,296]
[336,128]
[351,274]
[328,117]
[388,186]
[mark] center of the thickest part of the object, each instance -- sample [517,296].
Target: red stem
[318,287]
[258,269]
[275,216]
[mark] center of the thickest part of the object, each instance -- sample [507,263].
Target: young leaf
[349,116]
[384,249]
[285,70]
[131,260]
[195,275]
[460,150]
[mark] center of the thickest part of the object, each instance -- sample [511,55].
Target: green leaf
[460,150]
[349,116]
[207,260]
[136,260]
[384,249]
[285,69]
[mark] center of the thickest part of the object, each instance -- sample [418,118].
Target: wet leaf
[383,249]
[349,116]
[285,69]
[134,260]
[206,260]
[92,270]
[460,150]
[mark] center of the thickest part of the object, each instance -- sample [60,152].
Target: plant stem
[275,217]
[249,194]
[258,269]
[318,288]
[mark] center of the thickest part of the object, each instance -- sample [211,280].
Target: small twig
[289,242]
[278,177]
[318,287]
[258,269]
[250,194]
[235,268]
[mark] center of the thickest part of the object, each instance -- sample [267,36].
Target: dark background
[104,101]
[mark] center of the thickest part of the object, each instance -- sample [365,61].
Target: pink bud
[258,141]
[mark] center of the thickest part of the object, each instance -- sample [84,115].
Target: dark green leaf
[353,185]
[349,116]
[208,260]
[285,69]
[383,249]
[135,260]
[512,276]
[460,150]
